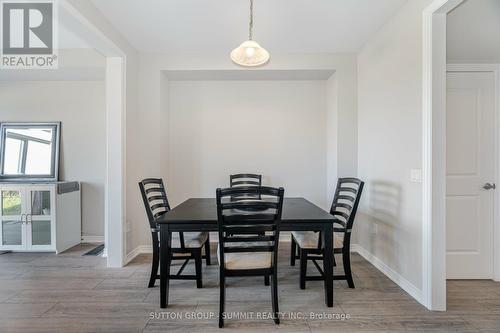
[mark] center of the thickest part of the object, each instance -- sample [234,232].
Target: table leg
[165,256]
[327,235]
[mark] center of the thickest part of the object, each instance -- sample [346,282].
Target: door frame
[434,156]
[495,69]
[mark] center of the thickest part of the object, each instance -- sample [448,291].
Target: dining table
[200,214]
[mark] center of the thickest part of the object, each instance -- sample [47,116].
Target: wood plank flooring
[71,293]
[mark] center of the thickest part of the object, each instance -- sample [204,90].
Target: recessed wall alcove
[278,123]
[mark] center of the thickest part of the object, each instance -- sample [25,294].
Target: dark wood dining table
[200,214]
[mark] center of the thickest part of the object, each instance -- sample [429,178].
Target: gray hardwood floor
[71,293]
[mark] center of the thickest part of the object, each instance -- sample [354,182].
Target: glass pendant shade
[250,54]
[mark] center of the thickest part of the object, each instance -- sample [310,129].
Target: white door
[470,160]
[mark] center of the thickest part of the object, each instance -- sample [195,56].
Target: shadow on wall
[385,202]
[378,226]
[385,205]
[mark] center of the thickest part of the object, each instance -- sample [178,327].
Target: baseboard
[406,285]
[92,239]
[138,250]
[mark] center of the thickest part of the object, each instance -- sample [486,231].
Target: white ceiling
[217,26]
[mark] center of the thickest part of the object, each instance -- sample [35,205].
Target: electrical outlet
[374,228]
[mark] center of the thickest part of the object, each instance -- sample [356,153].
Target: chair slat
[155,189]
[346,197]
[256,219]
[348,189]
[245,182]
[248,229]
[344,215]
[250,204]
[243,249]
[343,205]
[148,181]
[155,198]
[239,190]
[238,239]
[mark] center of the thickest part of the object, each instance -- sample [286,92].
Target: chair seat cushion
[246,260]
[309,239]
[192,240]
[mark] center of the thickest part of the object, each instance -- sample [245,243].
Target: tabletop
[204,210]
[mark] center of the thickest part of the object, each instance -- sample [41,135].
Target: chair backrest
[243,224]
[155,199]
[245,179]
[346,201]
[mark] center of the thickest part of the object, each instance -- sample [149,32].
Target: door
[40,231]
[470,174]
[12,218]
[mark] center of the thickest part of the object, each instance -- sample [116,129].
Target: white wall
[274,128]
[473,32]
[80,106]
[390,144]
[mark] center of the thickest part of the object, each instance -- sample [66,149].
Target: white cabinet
[39,217]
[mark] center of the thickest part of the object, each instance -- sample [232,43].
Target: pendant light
[250,53]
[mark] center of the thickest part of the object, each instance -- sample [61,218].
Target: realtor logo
[28,34]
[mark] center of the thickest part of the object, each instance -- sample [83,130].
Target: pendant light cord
[250,26]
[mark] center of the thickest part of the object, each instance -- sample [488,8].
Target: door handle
[31,219]
[22,218]
[489,186]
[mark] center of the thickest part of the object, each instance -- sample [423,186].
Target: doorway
[434,152]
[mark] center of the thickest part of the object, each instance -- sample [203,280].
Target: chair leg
[303,268]
[266,280]
[293,251]
[154,264]
[197,265]
[274,291]
[221,301]
[207,251]
[346,260]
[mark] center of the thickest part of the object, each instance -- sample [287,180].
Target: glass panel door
[41,233]
[12,223]
[11,203]
[12,233]
[40,217]
[40,203]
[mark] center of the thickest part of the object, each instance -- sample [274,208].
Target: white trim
[115,161]
[406,285]
[138,250]
[434,153]
[92,239]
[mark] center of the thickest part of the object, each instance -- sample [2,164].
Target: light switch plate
[416,175]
